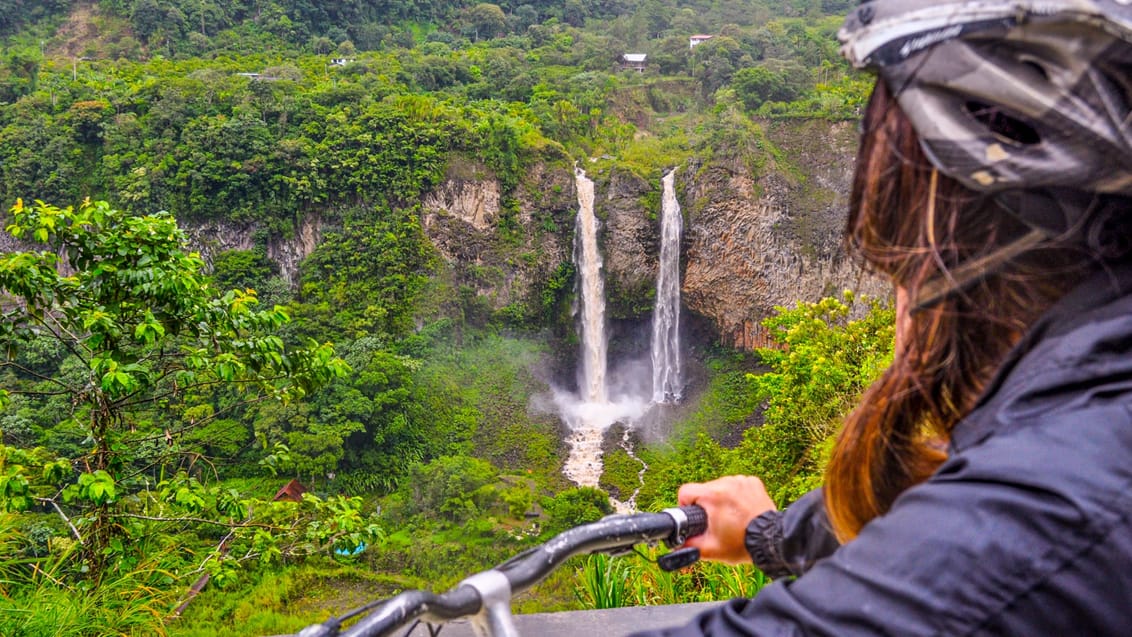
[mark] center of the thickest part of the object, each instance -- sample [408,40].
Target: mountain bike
[485,597]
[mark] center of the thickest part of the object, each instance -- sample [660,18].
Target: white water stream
[667,384]
[587,259]
[630,503]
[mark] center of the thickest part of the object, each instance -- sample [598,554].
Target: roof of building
[634,57]
[292,491]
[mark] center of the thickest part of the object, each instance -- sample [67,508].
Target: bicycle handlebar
[492,590]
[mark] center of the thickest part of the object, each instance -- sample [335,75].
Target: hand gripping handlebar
[486,596]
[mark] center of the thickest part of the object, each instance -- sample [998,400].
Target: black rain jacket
[1025,530]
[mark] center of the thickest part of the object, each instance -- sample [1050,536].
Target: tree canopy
[112,326]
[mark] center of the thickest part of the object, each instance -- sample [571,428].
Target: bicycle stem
[494,618]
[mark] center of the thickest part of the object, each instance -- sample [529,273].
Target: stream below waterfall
[584,466]
[630,503]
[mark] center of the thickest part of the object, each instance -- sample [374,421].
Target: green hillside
[154,401]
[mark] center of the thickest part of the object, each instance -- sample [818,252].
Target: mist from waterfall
[667,383]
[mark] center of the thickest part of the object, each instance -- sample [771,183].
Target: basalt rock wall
[214,237]
[760,239]
[755,237]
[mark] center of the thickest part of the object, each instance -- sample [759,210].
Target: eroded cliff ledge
[754,238]
[756,241]
[213,237]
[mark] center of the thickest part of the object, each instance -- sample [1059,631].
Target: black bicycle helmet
[1010,97]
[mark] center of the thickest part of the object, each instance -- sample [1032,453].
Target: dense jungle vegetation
[153,401]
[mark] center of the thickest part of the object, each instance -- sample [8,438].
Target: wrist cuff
[764,543]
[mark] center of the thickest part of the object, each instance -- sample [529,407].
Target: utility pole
[75,67]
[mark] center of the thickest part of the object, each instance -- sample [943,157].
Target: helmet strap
[1099,225]
[971,272]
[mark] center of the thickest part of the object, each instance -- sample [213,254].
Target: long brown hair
[919,227]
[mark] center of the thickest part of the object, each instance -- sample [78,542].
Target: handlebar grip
[697,520]
[688,521]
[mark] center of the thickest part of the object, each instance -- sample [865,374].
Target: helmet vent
[1119,77]
[1036,68]
[1002,125]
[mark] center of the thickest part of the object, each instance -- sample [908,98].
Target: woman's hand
[731,503]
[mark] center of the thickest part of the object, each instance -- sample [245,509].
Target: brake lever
[678,559]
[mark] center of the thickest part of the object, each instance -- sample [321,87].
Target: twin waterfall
[590,413]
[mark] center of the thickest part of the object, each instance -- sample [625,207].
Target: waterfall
[591,383]
[604,398]
[590,412]
[667,385]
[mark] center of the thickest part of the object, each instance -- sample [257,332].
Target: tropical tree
[826,359]
[763,83]
[110,321]
[486,20]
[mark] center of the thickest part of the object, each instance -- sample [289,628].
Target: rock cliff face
[753,239]
[504,252]
[631,243]
[213,237]
[757,241]
[474,203]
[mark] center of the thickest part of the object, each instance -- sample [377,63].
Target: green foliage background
[266,115]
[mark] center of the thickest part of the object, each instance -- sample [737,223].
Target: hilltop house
[695,40]
[634,62]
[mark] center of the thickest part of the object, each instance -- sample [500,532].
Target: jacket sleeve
[787,543]
[1017,536]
